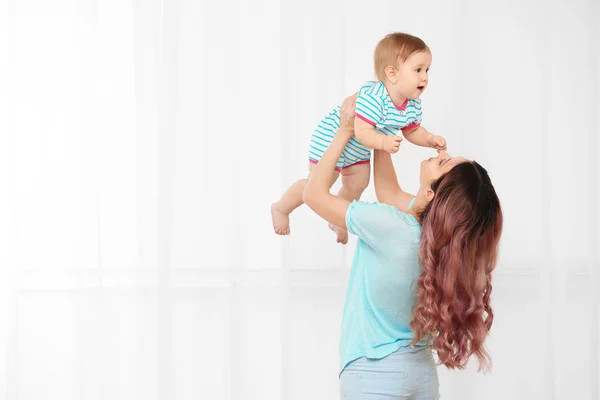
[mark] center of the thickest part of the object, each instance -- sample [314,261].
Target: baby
[383,109]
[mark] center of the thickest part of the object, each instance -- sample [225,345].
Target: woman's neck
[415,213]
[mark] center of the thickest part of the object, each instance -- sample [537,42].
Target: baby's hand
[437,142]
[391,144]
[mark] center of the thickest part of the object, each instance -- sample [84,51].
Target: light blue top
[381,293]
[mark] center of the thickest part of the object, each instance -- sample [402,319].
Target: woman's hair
[396,47]
[461,228]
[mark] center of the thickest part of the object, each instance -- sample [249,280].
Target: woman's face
[434,167]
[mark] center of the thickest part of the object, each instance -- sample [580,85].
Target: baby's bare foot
[342,234]
[281,221]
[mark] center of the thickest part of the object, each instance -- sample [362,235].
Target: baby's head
[402,62]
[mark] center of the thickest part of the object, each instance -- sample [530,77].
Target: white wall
[143,142]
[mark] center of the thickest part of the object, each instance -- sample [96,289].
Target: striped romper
[373,106]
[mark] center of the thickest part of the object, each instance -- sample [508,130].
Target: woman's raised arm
[387,189]
[316,193]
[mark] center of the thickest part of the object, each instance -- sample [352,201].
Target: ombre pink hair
[461,229]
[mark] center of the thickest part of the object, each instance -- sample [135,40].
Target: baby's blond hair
[396,47]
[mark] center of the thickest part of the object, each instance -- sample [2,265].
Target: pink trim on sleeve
[365,119]
[411,126]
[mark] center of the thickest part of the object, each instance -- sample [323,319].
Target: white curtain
[141,144]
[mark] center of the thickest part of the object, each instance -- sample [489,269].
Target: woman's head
[461,226]
[402,62]
[431,170]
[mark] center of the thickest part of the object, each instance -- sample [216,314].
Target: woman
[421,274]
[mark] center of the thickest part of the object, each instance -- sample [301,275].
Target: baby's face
[413,75]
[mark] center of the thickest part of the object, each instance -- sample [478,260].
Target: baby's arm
[369,112]
[366,134]
[421,137]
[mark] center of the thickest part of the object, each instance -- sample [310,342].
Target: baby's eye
[418,69]
[442,160]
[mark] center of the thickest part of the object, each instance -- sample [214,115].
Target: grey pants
[408,373]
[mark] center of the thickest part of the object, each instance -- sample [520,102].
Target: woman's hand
[347,115]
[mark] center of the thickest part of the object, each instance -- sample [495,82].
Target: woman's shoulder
[380,212]
[373,222]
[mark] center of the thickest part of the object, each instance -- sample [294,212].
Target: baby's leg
[355,180]
[291,199]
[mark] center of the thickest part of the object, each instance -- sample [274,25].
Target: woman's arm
[387,189]
[316,194]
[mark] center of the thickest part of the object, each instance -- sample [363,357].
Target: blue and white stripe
[374,104]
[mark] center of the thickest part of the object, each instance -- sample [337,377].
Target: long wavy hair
[461,229]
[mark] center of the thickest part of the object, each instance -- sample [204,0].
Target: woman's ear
[429,195]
